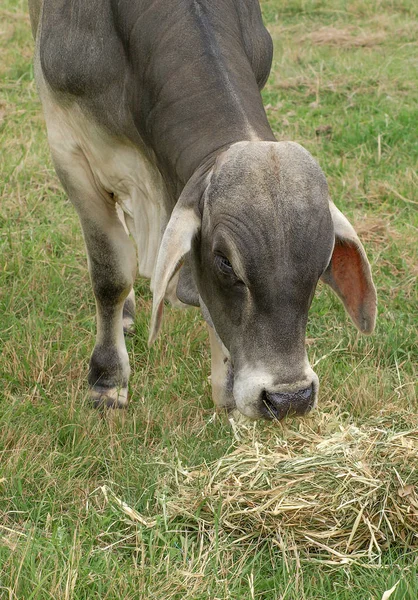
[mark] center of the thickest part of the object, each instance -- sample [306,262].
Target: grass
[165,501]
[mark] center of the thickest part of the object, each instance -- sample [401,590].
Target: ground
[167,500]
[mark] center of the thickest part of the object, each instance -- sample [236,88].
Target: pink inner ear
[348,275]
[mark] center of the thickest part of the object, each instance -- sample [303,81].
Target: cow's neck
[198,92]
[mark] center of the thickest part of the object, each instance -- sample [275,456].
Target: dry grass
[347,37]
[343,491]
[332,492]
[376,229]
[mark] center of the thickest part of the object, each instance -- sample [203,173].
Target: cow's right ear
[349,274]
[184,224]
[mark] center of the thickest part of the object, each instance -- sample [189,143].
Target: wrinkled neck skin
[199,101]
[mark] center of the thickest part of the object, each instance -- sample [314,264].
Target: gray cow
[160,139]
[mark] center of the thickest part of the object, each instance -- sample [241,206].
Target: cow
[160,139]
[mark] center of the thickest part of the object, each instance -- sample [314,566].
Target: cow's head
[260,232]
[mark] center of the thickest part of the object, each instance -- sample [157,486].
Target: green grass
[349,94]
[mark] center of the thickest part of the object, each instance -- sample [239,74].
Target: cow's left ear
[349,274]
[184,223]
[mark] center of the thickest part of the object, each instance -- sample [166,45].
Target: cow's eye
[223,264]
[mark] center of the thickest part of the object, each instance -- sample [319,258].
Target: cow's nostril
[278,405]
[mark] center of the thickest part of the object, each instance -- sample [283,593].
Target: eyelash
[224,265]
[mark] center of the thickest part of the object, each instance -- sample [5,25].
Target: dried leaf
[406,490]
[389,593]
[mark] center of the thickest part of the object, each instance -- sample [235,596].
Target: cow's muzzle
[280,405]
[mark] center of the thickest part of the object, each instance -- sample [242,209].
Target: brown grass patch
[375,229]
[344,38]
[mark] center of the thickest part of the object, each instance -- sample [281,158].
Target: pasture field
[167,501]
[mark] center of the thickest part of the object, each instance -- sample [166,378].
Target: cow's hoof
[102,397]
[235,417]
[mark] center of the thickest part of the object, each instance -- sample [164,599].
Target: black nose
[279,405]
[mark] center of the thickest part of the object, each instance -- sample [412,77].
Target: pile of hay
[318,487]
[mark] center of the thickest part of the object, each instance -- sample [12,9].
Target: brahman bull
[160,139]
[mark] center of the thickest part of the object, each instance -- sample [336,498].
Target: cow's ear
[186,290]
[349,274]
[184,223]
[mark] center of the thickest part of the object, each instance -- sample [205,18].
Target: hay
[345,492]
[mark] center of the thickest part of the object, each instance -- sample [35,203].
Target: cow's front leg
[222,375]
[112,265]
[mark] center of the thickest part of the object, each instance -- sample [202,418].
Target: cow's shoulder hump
[257,41]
